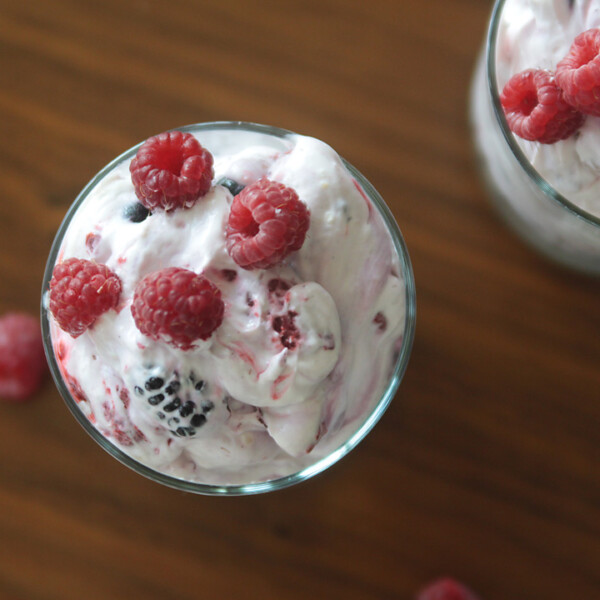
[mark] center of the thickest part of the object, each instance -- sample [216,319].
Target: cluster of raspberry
[544,106]
[172,171]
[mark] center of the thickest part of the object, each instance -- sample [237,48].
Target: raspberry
[81,291]
[380,320]
[536,110]
[177,306]
[578,73]
[446,589]
[22,359]
[267,221]
[171,170]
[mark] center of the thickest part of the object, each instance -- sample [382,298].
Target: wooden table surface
[486,467]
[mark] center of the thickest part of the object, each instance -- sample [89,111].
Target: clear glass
[264,486]
[534,209]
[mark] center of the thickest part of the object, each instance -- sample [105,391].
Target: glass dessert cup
[547,220]
[336,448]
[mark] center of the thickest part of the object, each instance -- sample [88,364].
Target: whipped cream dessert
[537,34]
[305,350]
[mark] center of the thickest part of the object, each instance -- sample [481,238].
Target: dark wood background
[487,465]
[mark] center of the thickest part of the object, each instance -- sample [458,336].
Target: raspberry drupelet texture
[267,222]
[22,359]
[177,306]
[578,74]
[81,291]
[171,170]
[446,589]
[536,110]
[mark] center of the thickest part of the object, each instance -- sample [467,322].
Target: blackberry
[179,403]
[233,186]
[136,213]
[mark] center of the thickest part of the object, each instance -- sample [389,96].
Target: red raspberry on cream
[267,222]
[171,170]
[578,74]
[177,306]
[81,291]
[535,109]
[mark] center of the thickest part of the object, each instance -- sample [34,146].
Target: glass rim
[534,175]
[306,472]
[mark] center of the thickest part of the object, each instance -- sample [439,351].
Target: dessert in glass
[228,308]
[534,114]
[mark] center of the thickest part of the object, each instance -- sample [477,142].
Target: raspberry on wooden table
[171,170]
[177,306]
[22,359]
[81,291]
[578,74]
[536,110]
[446,589]
[267,222]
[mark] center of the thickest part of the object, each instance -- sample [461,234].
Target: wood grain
[486,466]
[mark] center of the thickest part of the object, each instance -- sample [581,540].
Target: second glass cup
[548,193]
